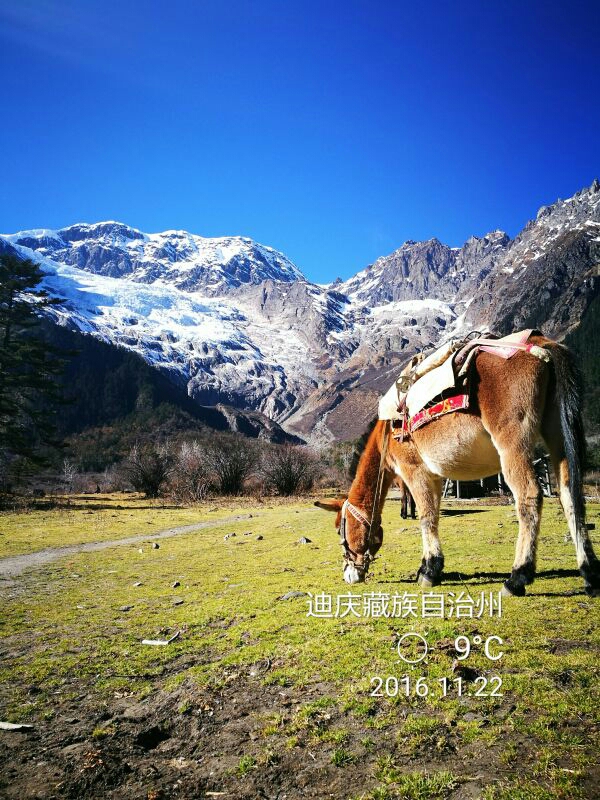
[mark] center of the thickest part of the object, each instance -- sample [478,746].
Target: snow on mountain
[420,270]
[182,259]
[236,322]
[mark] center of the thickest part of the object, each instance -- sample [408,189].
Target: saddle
[436,384]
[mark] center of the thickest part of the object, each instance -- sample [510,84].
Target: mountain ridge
[236,322]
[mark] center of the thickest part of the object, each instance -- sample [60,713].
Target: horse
[407,501]
[515,403]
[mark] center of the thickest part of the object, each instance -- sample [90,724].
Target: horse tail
[569,397]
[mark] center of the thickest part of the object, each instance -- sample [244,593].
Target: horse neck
[362,491]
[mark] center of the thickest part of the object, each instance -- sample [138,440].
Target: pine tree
[29,366]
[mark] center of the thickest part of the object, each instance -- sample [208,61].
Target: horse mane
[359,447]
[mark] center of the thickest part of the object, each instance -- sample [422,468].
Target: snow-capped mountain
[420,270]
[188,262]
[232,319]
[549,272]
[236,322]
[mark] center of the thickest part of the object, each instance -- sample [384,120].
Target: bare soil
[189,743]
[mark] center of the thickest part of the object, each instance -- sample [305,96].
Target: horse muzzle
[354,573]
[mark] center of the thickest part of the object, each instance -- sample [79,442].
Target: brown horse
[514,404]
[407,501]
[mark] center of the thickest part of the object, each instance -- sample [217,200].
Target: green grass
[341,757]
[413,786]
[65,620]
[56,522]
[246,765]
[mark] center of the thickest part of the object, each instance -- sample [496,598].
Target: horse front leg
[404,505]
[404,493]
[426,490]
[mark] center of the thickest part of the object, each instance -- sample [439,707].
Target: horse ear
[331,505]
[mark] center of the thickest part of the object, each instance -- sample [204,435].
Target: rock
[140,550]
[178,601]
[77,749]
[155,545]
[125,608]
[470,716]
[15,726]
[259,538]
[228,536]
[292,595]
[304,540]
[136,712]
[138,583]
[175,584]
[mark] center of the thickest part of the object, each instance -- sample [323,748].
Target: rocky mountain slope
[234,322]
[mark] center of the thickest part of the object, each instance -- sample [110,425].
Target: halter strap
[357,513]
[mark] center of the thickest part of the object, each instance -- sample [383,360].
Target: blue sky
[333,131]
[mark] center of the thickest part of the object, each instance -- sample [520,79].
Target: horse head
[356,537]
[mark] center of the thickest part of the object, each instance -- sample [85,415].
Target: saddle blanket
[447,406]
[441,377]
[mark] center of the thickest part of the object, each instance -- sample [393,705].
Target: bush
[148,468]
[113,479]
[190,480]
[289,469]
[232,460]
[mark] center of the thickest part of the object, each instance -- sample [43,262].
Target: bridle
[372,524]
[349,554]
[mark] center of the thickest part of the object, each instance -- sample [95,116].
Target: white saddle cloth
[434,375]
[429,386]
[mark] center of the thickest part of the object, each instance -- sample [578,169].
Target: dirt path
[13,566]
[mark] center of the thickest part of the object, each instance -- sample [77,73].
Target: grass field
[96,518]
[256,699]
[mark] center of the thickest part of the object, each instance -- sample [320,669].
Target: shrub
[190,480]
[289,469]
[231,460]
[148,468]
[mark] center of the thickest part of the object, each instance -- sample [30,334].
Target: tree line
[219,465]
[30,395]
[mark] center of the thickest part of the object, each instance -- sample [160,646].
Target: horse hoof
[592,591]
[508,591]
[424,582]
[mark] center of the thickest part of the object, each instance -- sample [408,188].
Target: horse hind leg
[520,476]
[588,563]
